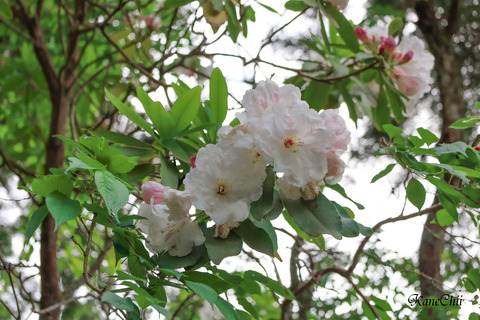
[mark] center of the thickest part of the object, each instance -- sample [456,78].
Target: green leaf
[226,309]
[218,249]
[218,284]
[338,188]
[392,131]
[130,113]
[383,173]
[120,164]
[474,276]
[258,235]
[263,205]
[455,147]
[45,185]
[268,7]
[76,163]
[62,208]
[121,139]
[118,302]
[416,193]
[113,191]
[162,119]
[449,203]
[470,172]
[171,4]
[168,261]
[382,304]
[277,207]
[218,96]
[427,136]
[314,217]
[168,173]
[316,94]
[269,283]
[395,26]
[35,221]
[185,108]
[350,227]
[204,291]
[295,5]
[396,104]
[344,27]
[352,109]
[444,218]
[464,123]
[5,9]
[140,172]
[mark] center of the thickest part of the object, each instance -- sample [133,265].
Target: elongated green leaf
[350,227]
[258,235]
[168,173]
[314,217]
[171,4]
[113,191]
[295,5]
[185,109]
[76,163]
[162,119]
[383,173]
[218,249]
[62,208]
[455,147]
[269,283]
[35,221]
[204,291]
[344,27]
[120,164]
[416,193]
[263,205]
[338,188]
[352,109]
[121,138]
[396,104]
[140,171]
[130,113]
[226,309]
[218,96]
[168,261]
[469,122]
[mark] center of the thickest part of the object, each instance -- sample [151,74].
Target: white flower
[297,142]
[266,95]
[168,225]
[224,183]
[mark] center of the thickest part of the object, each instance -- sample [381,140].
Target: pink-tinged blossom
[168,225]
[332,120]
[224,183]
[336,167]
[152,192]
[268,95]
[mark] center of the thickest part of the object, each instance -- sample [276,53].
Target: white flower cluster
[279,129]
[411,62]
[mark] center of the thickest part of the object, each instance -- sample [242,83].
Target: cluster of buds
[410,62]
[385,46]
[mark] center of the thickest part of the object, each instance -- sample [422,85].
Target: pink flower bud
[152,192]
[389,44]
[362,35]
[407,57]
[409,85]
[192,161]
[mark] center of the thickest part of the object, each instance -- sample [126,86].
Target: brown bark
[55,149]
[447,67]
